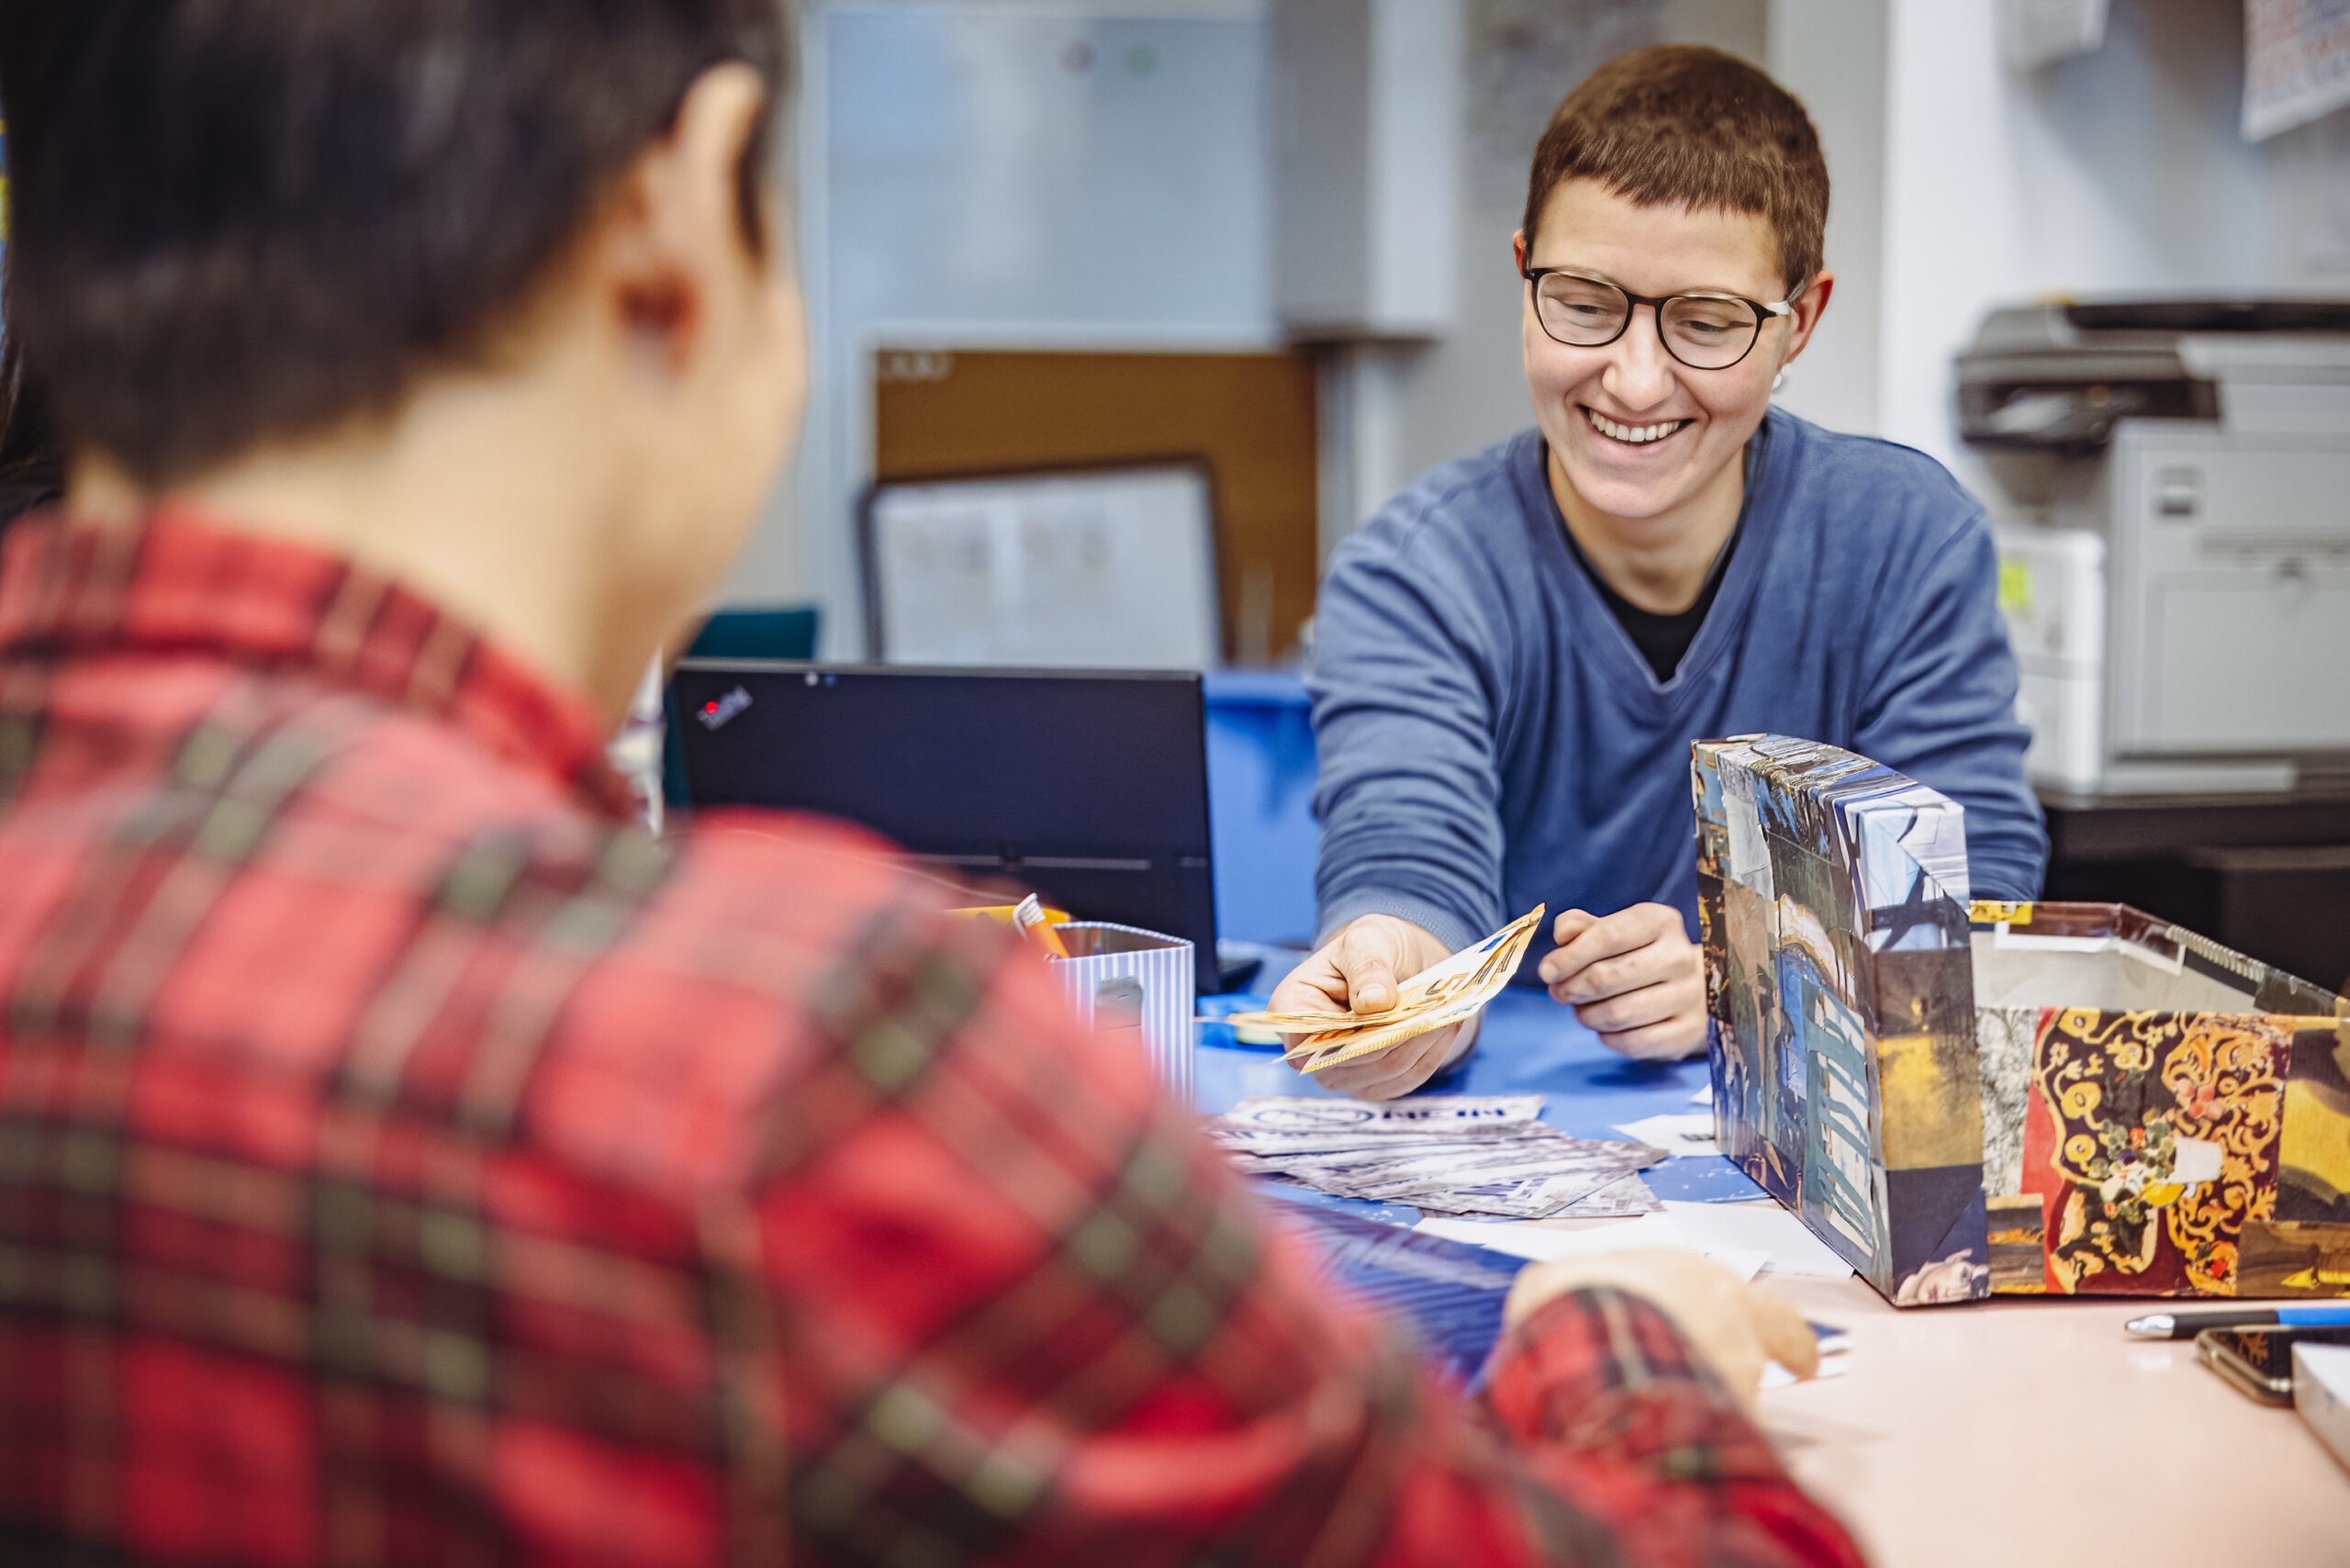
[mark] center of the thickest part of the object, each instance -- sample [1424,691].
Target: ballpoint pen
[2187,1325]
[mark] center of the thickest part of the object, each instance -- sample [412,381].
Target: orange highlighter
[1029,915]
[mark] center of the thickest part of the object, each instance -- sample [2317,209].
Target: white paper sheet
[1677,1135]
[1767,1227]
[2296,65]
[1648,1233]
[1542,1242]
[1745,1265]
[1745,1238]
[1777,1376]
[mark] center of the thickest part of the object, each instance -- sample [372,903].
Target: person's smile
[1630,433]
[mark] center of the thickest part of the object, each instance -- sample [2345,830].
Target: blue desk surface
[1529,1045]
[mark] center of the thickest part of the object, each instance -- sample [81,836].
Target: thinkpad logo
[718,710]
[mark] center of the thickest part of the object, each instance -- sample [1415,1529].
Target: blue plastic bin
[1260,806]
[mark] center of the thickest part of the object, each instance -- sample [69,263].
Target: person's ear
[670,248]
[1518,251]
[1809,307]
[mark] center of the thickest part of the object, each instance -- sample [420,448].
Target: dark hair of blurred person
[33,469]
[404,1160]
[279,215]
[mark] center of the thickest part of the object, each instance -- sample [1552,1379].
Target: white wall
[1958,183]
[2119,172]
[1028,174]
[1832,54]
[935,146]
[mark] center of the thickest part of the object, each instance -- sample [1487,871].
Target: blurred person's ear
[706,354]
[673,242]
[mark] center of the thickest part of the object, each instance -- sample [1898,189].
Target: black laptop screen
[1090,788]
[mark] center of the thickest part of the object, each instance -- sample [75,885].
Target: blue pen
[2187,1325]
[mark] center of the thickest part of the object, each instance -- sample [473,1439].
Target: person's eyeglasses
[1703,331]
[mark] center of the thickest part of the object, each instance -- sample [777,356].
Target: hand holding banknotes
[1382,983]
[1736,1328]
[1633,977]
[1361,970]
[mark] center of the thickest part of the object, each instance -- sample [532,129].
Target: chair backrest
[783,631]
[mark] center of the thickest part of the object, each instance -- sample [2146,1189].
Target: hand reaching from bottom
[1736,1326]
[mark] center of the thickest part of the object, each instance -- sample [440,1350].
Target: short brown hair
[1682,126]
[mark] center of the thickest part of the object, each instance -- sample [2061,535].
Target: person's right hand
[1359,971]
[1735,1326]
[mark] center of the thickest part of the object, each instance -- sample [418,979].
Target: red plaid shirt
[403,1159]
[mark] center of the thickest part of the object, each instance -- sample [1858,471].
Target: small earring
[1779,382]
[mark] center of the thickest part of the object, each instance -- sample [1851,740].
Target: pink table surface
[2033,1431]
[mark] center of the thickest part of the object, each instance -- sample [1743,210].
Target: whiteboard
[1036,165]
[1111,569]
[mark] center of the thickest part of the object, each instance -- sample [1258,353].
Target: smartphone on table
[2260,1361]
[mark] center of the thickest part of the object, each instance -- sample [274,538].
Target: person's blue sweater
[1490,738]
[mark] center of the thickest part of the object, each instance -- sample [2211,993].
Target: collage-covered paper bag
[1965,1098]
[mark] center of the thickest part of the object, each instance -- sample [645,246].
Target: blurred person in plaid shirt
[404,1160]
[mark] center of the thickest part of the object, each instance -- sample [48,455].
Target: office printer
[2175,549]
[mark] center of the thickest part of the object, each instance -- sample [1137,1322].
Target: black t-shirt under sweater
[1663,639]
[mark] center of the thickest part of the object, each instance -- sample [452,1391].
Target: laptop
[1090,786]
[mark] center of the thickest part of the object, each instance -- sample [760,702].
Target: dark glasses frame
[1763,313]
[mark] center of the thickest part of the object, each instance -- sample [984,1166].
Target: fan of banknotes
[1487,1155]
[1447,994]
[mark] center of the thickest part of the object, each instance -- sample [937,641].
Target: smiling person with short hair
[1515,653]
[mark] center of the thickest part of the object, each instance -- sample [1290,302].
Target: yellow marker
[1029,915]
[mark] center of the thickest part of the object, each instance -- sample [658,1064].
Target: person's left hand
[1633,977]
[1736,1328]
